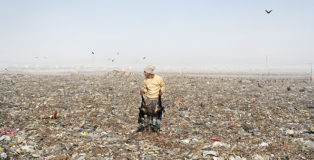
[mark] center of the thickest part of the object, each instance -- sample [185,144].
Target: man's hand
[156,109]
[160,93]
[141,92]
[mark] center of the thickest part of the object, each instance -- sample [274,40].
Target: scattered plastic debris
[206,117]
[8,132]
[307,114]
[216,139]
[84,133]
[52,116]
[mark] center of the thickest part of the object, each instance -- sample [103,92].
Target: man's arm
[162,86]
[144,90]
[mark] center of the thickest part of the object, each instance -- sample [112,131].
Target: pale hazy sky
[167,32]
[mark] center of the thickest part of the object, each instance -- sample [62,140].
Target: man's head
[149,71]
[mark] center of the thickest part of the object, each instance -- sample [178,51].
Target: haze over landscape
[230,79]
[173,35]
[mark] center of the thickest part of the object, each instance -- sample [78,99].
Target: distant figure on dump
[153,88]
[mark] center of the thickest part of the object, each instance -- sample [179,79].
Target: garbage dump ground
[84,116]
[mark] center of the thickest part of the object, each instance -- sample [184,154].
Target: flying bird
[93,53]
[112,60]
[144,57]
[268,11]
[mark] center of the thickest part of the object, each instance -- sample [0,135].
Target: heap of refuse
[82,116]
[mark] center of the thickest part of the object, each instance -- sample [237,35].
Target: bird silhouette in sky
[268,11]
[144,57]
[93,53]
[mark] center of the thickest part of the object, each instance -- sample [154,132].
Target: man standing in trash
[154,87]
